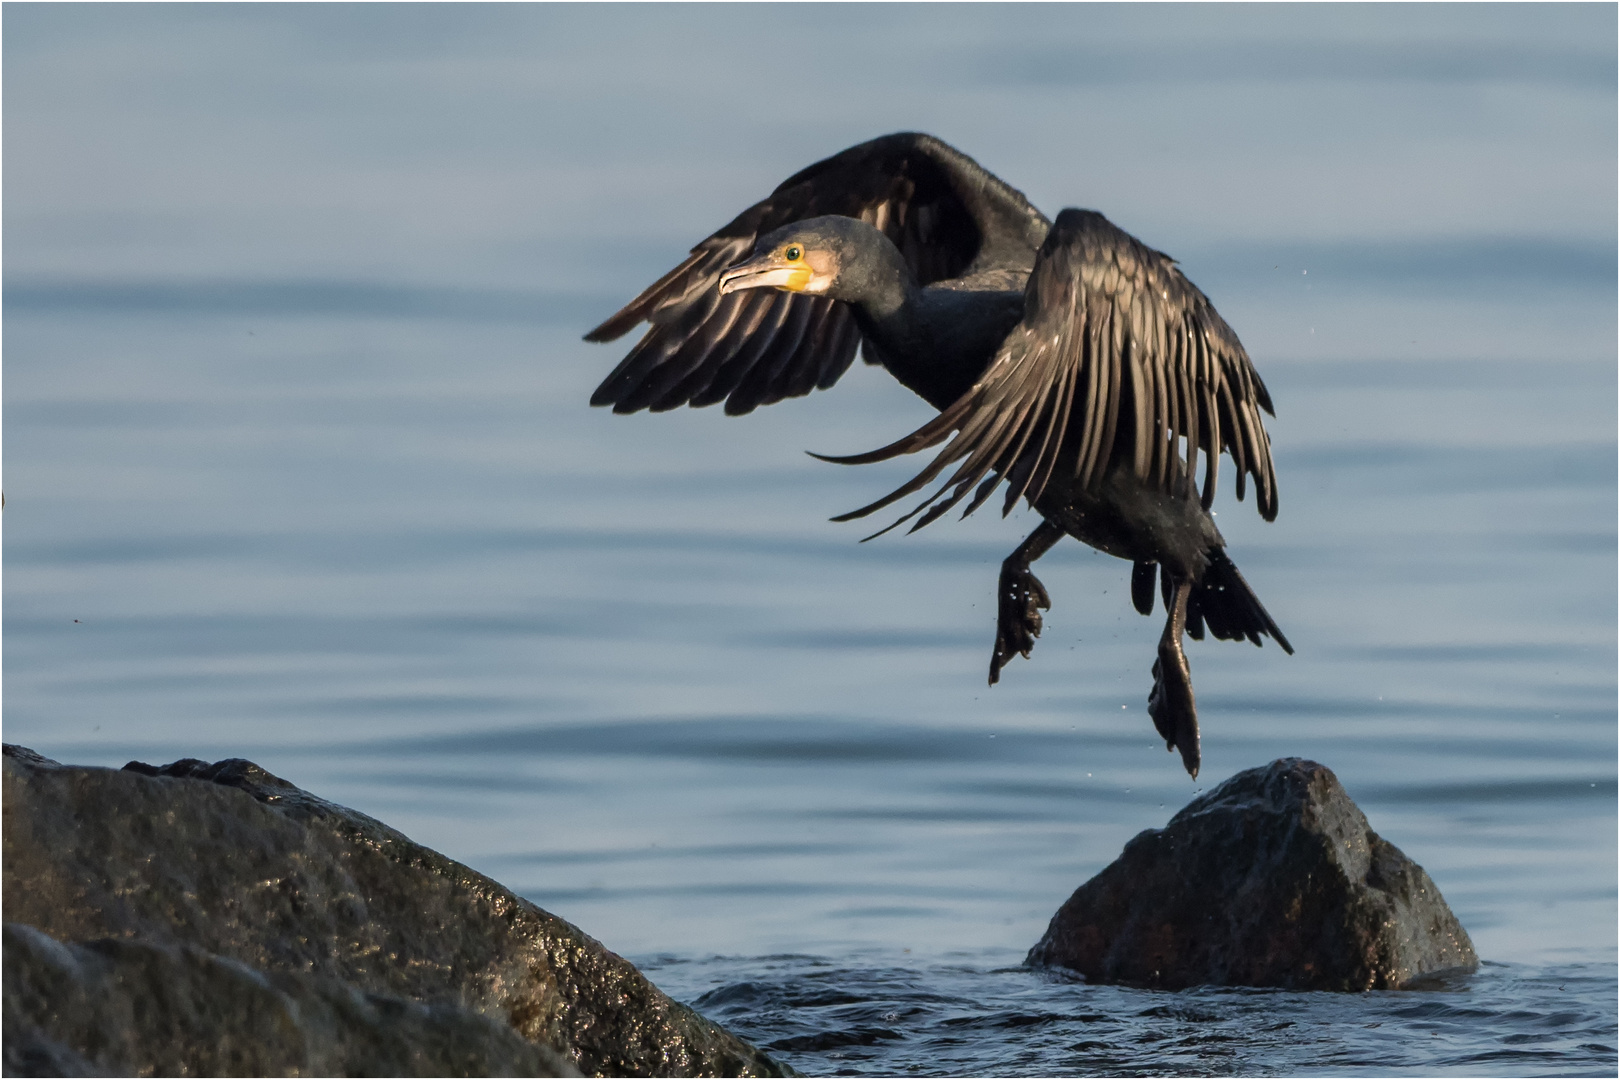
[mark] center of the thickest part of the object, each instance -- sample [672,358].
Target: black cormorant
[1067,360]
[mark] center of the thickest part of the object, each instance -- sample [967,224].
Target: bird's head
[801,257]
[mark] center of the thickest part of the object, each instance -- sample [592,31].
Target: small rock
[1274,878]
[205,919]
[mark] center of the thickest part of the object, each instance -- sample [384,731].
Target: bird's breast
[1131,519]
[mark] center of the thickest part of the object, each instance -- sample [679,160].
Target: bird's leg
[1142,586]
[1020,598]
[1171,702]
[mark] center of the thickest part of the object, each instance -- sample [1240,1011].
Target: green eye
[792,253]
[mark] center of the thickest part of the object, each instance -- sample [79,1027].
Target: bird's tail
[1224,602]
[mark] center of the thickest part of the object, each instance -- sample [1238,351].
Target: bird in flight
[1069,362]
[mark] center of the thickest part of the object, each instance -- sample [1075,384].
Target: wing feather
[842,355]
[1062,403]
[1159,433]
[1212,413]
[730,336]
[1111,429]
[680,358]
[733,368]
[755,388]
[1091,447]
[945,213]
[1187,371]
[1119,361]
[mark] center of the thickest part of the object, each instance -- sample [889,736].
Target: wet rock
[114,1007]
[1274,878]
[213,918]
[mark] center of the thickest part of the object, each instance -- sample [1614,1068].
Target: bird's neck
[882,290]
[935,341]
[888,307]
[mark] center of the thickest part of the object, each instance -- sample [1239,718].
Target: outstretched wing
[1117,353]
[947,216]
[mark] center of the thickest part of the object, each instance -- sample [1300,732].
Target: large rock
[214,919]
[1274,878]
[126,1005]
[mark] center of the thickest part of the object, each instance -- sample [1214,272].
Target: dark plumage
[1068,361]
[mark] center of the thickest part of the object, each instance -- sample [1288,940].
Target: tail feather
[1225,604]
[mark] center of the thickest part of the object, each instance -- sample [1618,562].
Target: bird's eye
[792,253]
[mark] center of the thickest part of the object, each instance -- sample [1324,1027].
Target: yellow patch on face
[798,279]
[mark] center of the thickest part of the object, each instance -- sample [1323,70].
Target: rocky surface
[215,919]
[112,1005]
[1274,878]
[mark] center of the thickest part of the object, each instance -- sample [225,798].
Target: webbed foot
[1170,704]
[1020,599]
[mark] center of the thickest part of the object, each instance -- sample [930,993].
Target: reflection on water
[299,469]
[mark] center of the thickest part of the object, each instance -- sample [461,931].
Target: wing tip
[1268,505]
[614,327]
[849,459]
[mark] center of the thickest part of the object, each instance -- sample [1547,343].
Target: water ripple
[891,1018]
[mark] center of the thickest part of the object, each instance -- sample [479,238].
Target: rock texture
[1274,878]
[111,1005]
[215,919]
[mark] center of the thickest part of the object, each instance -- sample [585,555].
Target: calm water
[299,469]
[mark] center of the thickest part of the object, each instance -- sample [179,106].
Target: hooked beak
[765,272]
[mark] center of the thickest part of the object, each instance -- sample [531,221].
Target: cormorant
[1067,359]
